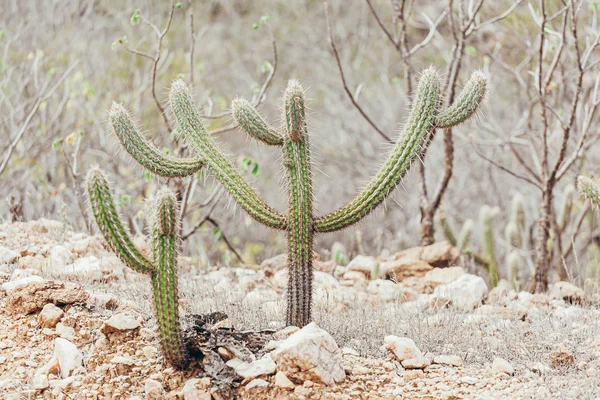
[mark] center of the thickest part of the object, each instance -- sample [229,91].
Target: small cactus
[163,222]
[464,237]
[300,222]
[486,219]
[589,190]
[513,266]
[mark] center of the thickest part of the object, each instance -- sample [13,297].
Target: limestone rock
[416,363]
[310,354]
[257,384]
[443,276]
[119,322]
[32,296]
[282,381]
[60,256]
[568,292]
[454,361]
[68,356]
[385,290]
[50,315]
[8,256]
[403,268]
[439,254]
[197,389]
[402,348]
[264,366]
[369,266]
[501,366]
[14,283]
[467,292]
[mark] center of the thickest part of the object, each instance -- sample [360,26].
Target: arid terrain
[77,324]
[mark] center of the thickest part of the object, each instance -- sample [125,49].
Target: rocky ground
[76,324]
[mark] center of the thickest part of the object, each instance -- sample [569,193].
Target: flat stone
[402,348]
[501,366]
[50,316]
[282,381]
[119,322]
[264,366]
[454,361]
[416,363]
[257,384]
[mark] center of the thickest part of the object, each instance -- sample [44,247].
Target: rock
[197,389]
[86,267]
[258,297]
[65,332]
[439,254]
[568,292]
[60,256]
[469,380]
[40,378]
[274,264]
[68,356]
[285,332]
[454,361]
[562,357]
[119,322]
[467,292]
[50,315]
[323,279]
[8,256]
[153,389]
[282,381]
[257,384]
[369,266]
[310,354]
[102,301]
[416,363]
[264,366]
[404,268]
[385,290]
[350,351]
[443,276]
[402,348]
[501,366]
[355,277]
[32,296]
[13,284]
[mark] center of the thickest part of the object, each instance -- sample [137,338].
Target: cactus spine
[300,222]
[163,221]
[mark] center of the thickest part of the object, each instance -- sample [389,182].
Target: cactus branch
[253,124]
[466,105]
[589,190]
[109,223]
[144,152]
[411,144]
[193,131]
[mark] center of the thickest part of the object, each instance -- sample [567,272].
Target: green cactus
[300,222]
[486,218]
[163,222]
[464,236]
[589,190]
[513,266]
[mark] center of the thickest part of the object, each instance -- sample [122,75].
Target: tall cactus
[300,222]
[163,220]
[487,215]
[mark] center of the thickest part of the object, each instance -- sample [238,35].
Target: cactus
[486,218]
[300,222]
[513,266]
[589,190]
[163,222]
[464,237]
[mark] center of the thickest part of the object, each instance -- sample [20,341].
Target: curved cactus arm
[466,105]
[109,223]
[296,157]
[589,190]
[193,131]
[164,227]
[144,152]
[253,124]
[414,138]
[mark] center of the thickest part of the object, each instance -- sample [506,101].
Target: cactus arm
[300,201]
[487,216]
[589,190]
[466,105]
[165,248]
[193,131]
[144,152]
[412,142]
[109,223]
[253,124]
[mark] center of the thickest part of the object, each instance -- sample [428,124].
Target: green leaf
[266,67]
[470,50]
[135,18]
[178,5]
[148,177]
[255,26]
[218,233]
[255,169]
[595,4]
[124,200]
[264,19]
[56,143]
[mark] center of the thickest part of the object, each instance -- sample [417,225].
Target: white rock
[310,354]
[119,322]
[68,356]
[197,389]
[384,289]
[86,267]
[466,292]
[323,279]
[65,332]
[290,330]
[40,378]
[501,366]
[568,292]
[443,276]
[365,264]
[451,360]
[11,285]
[469,380]
[102,300]
[264,366]
[402,348]
[350,351]
[355,277]
[257,383]
[282,381]
[416,363]
[60,256]
[50,315]
[257,297]
[8,256]
[153,389]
